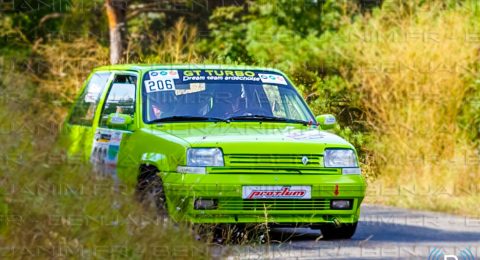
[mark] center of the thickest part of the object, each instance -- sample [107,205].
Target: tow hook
[337,222]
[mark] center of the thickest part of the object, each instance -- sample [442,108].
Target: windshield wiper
[266,118]
[186,119]
[233,118]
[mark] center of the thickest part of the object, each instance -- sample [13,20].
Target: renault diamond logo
[304,160]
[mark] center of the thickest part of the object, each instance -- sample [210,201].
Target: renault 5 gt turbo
[218,144]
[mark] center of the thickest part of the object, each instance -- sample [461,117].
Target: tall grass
[415,74]
[61,210]
[52,205]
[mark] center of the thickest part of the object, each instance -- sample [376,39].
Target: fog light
[341,204]
[205,204]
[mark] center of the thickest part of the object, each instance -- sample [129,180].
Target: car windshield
[221,95]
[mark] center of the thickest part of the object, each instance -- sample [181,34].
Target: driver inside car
[229,103]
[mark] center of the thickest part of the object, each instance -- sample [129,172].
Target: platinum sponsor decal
[276,192]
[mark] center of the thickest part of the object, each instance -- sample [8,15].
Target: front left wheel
[344,231]
[149,190]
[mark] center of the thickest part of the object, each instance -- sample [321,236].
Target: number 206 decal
[159,85]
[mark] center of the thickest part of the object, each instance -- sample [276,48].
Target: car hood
[255,137]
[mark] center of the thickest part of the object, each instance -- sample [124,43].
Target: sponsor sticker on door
[276,192]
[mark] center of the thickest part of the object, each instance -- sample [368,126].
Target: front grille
[273,160]
[273,163]
[271,204]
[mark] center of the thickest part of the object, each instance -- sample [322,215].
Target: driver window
[86,106]
[120,98]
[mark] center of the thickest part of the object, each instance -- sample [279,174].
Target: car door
[109,139]
[79,127]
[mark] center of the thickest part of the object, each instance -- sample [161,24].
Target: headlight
[204,157]
[340,158]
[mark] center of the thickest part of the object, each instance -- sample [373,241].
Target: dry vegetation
[177,45]
[414,75]
[53,205]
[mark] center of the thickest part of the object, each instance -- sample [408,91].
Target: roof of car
[146,67]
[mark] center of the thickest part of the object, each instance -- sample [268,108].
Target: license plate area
[276,192]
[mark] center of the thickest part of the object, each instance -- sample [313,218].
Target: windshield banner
[166,80]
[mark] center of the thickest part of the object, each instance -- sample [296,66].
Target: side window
[120,98]
[84,109]
[275,100]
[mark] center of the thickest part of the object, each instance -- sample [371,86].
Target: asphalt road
[382,233]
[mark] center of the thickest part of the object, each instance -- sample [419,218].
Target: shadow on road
[380,232]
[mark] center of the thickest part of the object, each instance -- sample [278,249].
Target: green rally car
[218,144]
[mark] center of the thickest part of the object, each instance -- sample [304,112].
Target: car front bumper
[182,190]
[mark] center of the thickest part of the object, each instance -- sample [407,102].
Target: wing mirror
[326,121]
[119,121]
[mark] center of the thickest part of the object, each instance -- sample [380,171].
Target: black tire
[345,231]
[149,190]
